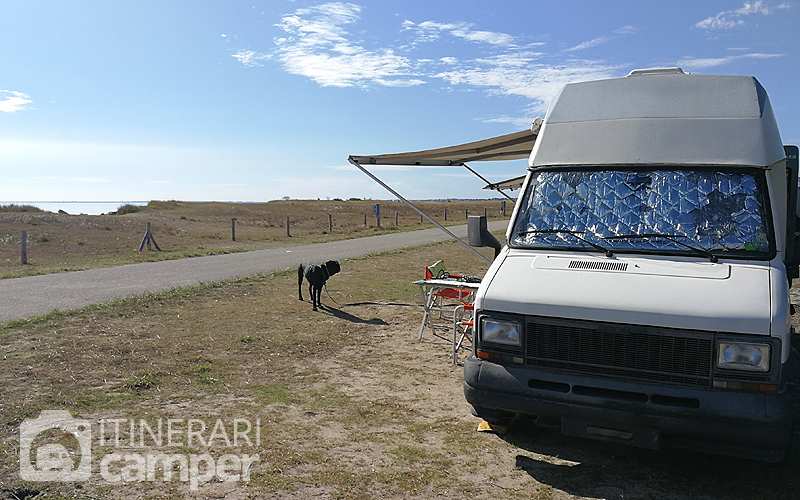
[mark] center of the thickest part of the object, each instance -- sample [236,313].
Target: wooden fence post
[365,220]
[233,229]
[287,227]
[466,214]
[24,248]
[330,223]
[148,240]
[396,215]
[445,214]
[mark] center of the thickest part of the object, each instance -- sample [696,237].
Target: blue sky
[254,101]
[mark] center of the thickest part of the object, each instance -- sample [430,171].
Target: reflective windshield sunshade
[711,210]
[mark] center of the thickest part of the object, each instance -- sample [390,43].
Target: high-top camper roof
[661,117]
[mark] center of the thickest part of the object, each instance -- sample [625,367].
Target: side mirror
[478,234]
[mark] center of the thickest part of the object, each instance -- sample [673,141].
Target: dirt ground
[341,403]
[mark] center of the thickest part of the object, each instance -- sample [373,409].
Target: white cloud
[489,37]
[719,22]
[317,46]
[428,31]
[692,63]
[250,58]
[518,74]
[11,101]
[626,30]
[620,32]
[590,43]
[733,18]
[752,8]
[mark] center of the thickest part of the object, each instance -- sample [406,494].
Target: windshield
[666,211]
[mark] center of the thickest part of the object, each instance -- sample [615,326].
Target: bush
[128,209]
[19,208]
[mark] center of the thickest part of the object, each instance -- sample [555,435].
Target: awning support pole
[487,182]
[420,212]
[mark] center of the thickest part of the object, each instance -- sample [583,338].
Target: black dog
[316,276]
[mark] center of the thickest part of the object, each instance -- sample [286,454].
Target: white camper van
[641,295]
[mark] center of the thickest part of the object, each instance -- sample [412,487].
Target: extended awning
[515,146]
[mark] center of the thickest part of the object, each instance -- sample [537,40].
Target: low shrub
[11,207]
[128,209]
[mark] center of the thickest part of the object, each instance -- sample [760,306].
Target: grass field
[59,242]
[346,401]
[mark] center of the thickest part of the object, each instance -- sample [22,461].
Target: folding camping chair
[463,326]
[443,305]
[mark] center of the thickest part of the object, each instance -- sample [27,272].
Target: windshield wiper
[575,234]
[671,237]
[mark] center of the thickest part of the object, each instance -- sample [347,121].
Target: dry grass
[58,242]
[350,405]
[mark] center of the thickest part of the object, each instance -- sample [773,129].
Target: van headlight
[743,356]
[501,332]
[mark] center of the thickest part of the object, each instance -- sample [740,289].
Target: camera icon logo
[53,461]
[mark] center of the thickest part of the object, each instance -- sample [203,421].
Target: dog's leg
[300,281]
[312,292]
[319,296]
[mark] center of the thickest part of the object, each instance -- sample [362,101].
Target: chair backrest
[437,270]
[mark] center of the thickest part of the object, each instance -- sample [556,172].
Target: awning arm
[423,214]
[493,186]
[510,184]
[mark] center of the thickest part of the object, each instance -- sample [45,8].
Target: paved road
[37,295]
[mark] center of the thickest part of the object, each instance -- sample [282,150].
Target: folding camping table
[429,288]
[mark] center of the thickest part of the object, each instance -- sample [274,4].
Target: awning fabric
[516,146]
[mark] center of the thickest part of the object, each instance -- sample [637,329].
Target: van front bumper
[745,424]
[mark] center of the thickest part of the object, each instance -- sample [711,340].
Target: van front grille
[624,351]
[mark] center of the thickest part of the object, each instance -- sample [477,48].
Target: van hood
[730,297]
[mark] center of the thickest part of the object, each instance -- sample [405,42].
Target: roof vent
[656,71]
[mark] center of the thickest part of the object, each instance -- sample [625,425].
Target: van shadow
[594,469]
